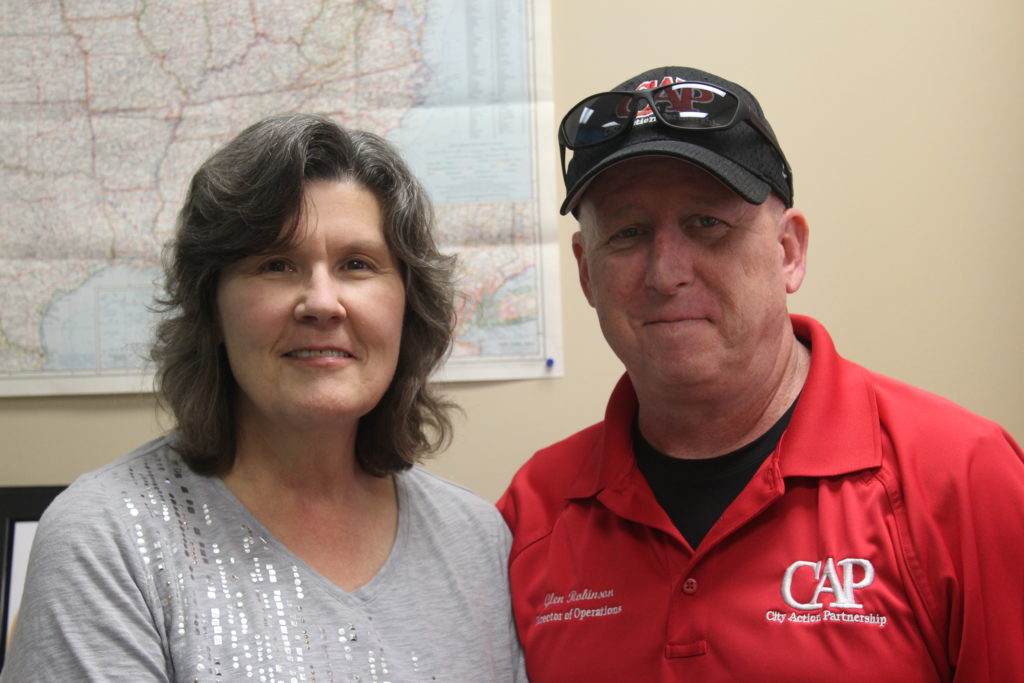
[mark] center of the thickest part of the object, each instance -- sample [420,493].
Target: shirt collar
[835,428]
[612,456]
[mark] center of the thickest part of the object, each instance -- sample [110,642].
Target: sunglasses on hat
[687,106]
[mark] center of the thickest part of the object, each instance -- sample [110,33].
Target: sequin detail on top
[234,603]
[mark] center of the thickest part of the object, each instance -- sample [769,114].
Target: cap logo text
[838,578]
[678,100]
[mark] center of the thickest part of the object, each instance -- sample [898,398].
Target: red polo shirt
[882,540]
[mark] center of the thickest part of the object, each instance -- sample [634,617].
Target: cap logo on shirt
[838,578]
[805,585]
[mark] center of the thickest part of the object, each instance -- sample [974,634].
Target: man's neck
[705,426]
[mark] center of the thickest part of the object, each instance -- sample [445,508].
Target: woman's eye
[275,266]
[356,264]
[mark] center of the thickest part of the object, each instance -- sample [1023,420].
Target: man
[753,506]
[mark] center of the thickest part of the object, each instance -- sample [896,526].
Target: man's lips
[668,320]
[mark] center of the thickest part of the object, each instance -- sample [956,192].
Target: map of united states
[109,106]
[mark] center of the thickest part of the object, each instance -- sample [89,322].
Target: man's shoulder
[941,448]
[912,418]
[556,466]
[907,409]
[541,487]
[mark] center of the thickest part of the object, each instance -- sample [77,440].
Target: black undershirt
[695,493]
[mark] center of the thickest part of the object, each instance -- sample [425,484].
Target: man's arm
[987,624]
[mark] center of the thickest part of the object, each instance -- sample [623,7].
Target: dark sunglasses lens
[695,106]
[597,119]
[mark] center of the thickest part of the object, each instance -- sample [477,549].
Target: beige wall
[902,120]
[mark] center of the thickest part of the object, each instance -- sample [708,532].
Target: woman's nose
[320,299]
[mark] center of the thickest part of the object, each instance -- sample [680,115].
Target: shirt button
[690,586]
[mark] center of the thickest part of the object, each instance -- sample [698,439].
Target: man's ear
[793,235]
[580,252]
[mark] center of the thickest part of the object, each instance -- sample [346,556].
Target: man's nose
[669,261]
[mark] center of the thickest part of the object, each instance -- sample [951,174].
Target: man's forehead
[644,179]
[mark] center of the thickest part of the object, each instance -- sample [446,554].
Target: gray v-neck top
[145,571]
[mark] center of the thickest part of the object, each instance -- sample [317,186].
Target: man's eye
[708,222]
[625,234]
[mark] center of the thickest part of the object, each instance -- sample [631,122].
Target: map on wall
[107,107]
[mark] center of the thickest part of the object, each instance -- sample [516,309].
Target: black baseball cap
[745,156]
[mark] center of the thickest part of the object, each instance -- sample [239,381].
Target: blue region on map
[470,140]
[103,325]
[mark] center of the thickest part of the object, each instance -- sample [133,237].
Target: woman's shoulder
[445,501]
[121,468]
[120,489]
[422,479]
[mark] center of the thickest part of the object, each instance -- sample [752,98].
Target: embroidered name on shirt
[803,586]
[557,606]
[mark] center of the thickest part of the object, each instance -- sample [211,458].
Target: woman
[281,532]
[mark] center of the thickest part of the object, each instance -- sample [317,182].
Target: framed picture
[20,509]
